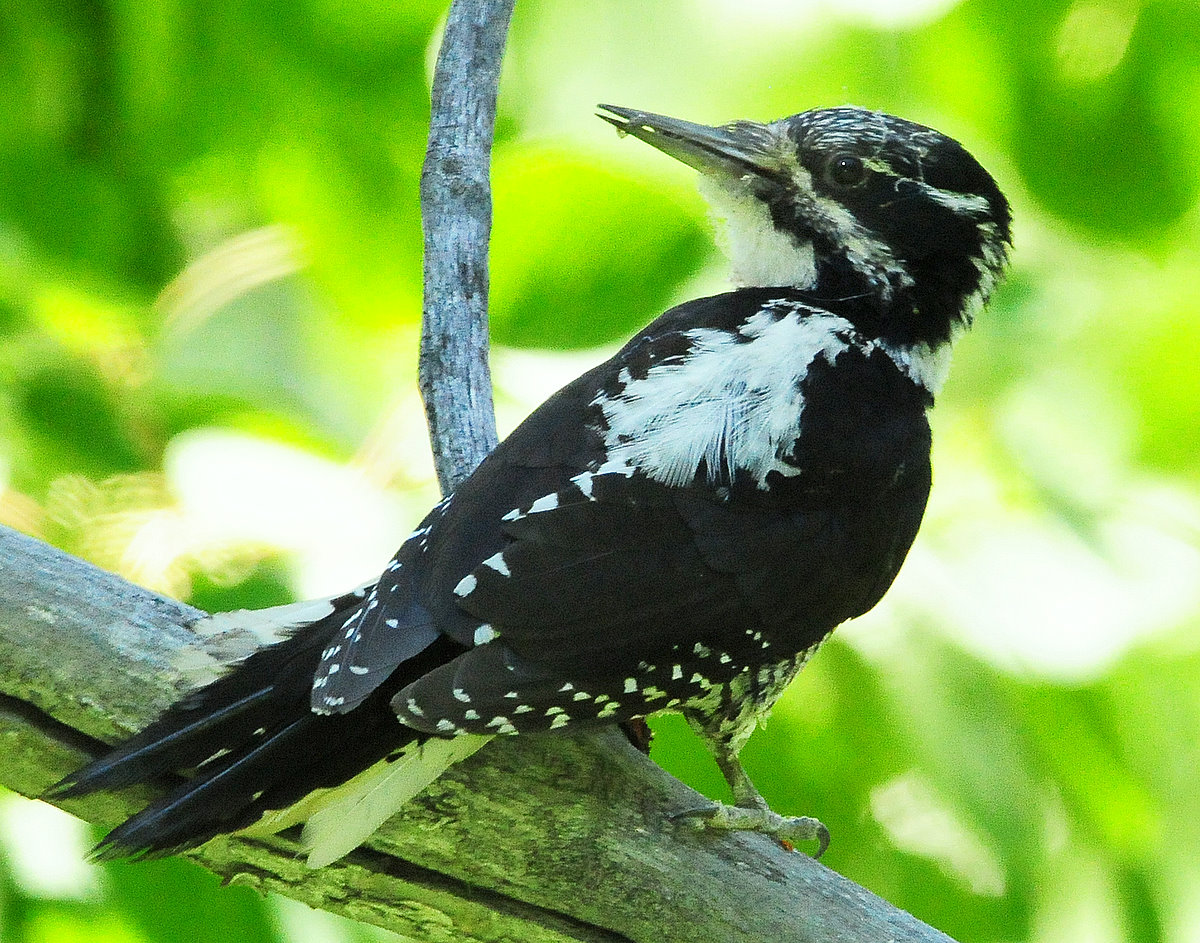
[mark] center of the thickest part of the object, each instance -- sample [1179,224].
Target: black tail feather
[164,745]
[247,744]
[169,824]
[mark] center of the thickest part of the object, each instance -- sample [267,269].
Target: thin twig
[456,210]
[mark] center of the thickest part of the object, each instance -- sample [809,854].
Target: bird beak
[735,150]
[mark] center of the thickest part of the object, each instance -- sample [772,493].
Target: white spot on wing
[547,502]
[584,483]
[466,585]
[616,467]
[496,562]
[484,634]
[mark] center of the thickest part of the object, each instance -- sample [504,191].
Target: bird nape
[678,529]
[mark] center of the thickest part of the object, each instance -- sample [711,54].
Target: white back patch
[734,401]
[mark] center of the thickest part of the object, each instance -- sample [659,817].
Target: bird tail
[244,748]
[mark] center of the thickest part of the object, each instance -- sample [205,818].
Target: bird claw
[785,829]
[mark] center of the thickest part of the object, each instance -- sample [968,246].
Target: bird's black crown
[925,230]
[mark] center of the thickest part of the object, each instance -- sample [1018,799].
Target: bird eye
[846,170]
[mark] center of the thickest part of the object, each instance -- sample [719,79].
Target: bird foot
[786,829]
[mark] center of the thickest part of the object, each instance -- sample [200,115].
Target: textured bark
[456,212]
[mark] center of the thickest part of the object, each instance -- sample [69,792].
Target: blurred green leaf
[75,422]
[580,255]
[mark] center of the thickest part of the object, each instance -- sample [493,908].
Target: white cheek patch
[732,403]
[864,250]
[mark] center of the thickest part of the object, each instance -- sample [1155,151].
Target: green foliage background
[209,223]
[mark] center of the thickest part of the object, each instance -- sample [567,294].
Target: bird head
[893,222]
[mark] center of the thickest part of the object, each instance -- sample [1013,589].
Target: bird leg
[750,813]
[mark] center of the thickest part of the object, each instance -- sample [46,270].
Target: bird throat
[761,255]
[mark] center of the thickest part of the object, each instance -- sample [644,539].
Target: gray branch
[547,839]
[456,211]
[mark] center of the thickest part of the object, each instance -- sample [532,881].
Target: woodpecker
[677,529]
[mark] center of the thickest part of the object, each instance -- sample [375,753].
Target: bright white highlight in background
[45,847]
[234,488]
[881,13]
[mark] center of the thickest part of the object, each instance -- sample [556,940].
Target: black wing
[625,597]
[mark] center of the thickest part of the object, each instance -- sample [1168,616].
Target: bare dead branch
[456,210]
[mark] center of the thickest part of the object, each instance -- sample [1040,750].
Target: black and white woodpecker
[677,529]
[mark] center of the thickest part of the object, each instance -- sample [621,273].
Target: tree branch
[456,212]
[546,839]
